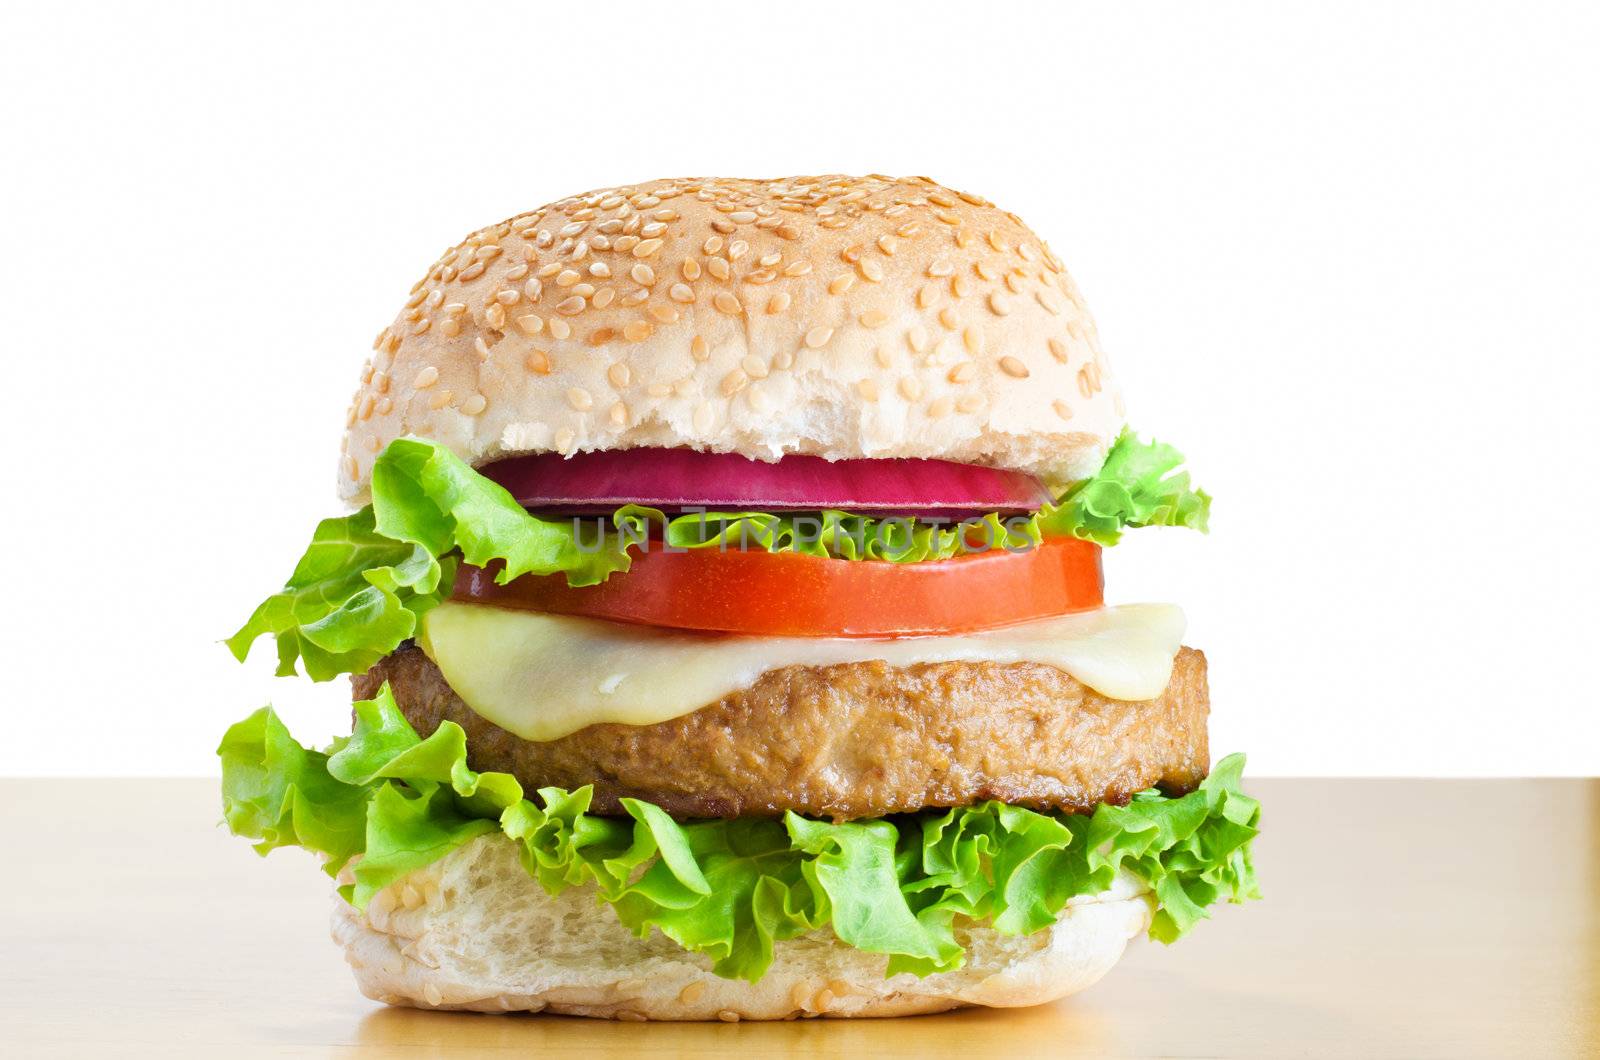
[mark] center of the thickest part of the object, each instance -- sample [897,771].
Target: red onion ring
[684,478]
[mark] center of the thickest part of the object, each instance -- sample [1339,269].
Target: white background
[1347,256]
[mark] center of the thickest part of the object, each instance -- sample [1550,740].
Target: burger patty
[853,740]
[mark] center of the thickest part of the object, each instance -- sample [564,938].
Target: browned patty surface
[854,740]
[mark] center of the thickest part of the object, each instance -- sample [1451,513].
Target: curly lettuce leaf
[366,580]
[1138,485]
[734,889]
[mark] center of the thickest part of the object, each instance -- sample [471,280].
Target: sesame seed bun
[475,932]
[838,316]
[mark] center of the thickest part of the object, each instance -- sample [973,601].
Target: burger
[722,600]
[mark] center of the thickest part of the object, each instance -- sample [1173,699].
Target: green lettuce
[365,581]
[383,802]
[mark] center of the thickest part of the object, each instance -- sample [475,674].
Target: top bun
[837,316]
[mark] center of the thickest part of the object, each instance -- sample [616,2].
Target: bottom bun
[475,931]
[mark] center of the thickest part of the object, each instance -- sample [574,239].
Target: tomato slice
[793,595]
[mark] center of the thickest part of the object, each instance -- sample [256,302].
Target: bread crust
[838,316]
[854,740]
[475,932]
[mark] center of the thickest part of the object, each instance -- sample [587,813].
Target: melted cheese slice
[547,676]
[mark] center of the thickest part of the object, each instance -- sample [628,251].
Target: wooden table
[1403,918]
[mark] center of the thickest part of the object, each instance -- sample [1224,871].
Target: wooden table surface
[1403,918]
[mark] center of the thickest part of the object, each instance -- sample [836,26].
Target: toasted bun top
[833,315]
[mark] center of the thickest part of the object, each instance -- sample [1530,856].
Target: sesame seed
[681,292]
[638,296]
[663,314]
[547,271]
[482,348]
[818,337]
[440,399]
[580,399]
[768,261]
[969,403]
[568,277]
[1013,367]
[948,318]
[450,326]
[1050,304]
[637,330]
[718,267]
[737,249]
[619,374]
[917,338]
[734,382]
[884,356]
[873,318]
[584,290]
[425,378]
[841,283]
[653,229]
[940,408]
[797,268]
[690,269]
[925,295]
[960,286]
[778,303]
[972,338]
[1063,409]
[742,217]
[619,414]
[420,326]
[910,387]
[724,226]
[625,243]
[760,277]
[1058,350]
[572,306]
[783,360]
[603,298]
[643,274]
[985,270]
[870,269]
[962,372]
[754,367]
[600,269]
[471,272]
[658,390]
[727,303]
[698,348]
[384,405]
[711,245]
[646,247]
[474,404]
[997,304]
[888,244]
[940,268]
[495,316]
[537,362]
[534,288]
